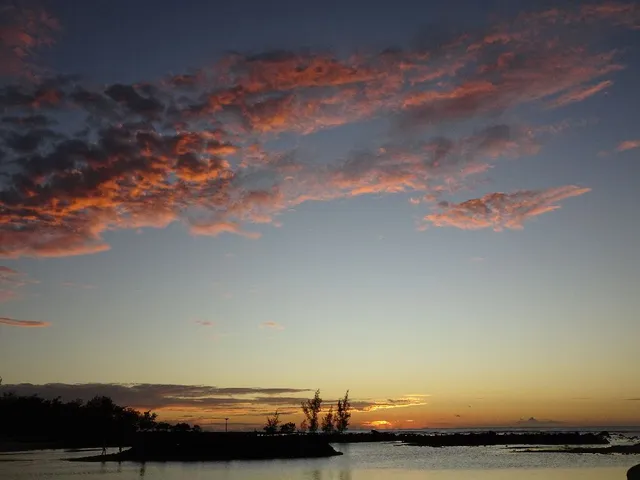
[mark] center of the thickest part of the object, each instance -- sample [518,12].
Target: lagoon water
[360,461]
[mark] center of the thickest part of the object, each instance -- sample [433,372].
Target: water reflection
[315,475]
[359,462]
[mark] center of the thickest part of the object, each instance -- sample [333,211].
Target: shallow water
[360,461]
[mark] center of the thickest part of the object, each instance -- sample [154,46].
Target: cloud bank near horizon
[206,402]
[79,160]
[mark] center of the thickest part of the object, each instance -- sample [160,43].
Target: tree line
[97,421]
[332,422]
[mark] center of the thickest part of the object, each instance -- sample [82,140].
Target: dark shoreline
[199,447]
[217,446]
[416,439]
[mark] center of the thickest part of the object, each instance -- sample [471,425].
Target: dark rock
[164,446]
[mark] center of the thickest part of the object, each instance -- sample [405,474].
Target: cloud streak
[581,93]
[23,323]
[271,325]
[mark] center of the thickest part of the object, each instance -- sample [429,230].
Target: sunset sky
[212,209]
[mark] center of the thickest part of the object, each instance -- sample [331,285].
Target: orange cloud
[377,424]
[271,325]
[500,210]
[23,323]
[215,229]
[388,404]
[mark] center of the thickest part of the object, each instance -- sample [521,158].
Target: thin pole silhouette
[226,422]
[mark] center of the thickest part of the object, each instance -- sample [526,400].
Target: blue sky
[455,220]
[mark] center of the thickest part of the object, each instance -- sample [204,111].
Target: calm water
[360,461]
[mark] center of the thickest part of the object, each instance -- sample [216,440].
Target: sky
[212,209]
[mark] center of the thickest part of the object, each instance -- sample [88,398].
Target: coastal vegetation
[98,422]
[332,422]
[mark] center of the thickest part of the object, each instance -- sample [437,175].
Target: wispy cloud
[23,323]
[580,93]
[205,323]
[11,283]
[84,286]
[23,31]
[271,325]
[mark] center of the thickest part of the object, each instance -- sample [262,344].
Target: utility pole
[226,422]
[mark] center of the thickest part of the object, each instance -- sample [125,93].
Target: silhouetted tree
[98,422]
[163,427]
[289,427]
[327,422]
[311,408]
[272,423]
[343,415]
[181,427]
[303,426]
[196,428]
[148,421]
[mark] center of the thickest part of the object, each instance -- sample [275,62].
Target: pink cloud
[580,93]
[205,323]
[8,295]
[628,145]
[23,323]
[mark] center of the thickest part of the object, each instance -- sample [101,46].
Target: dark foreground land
[634,473]
[203,446]
[184,447]
[190,446]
